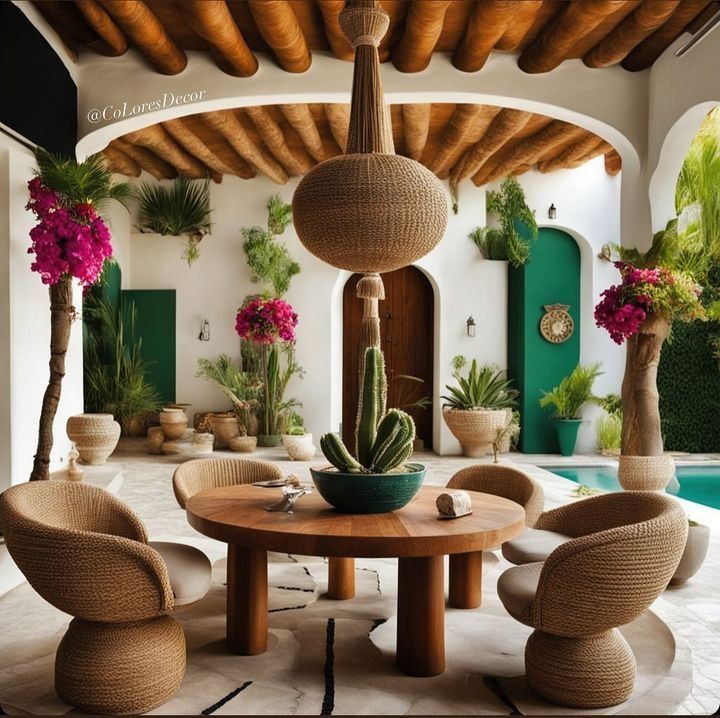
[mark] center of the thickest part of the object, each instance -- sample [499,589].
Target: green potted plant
[608,427]
[475,408]
[376,479]
[568,399]
[297,442]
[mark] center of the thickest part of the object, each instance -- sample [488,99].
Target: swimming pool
[700,484]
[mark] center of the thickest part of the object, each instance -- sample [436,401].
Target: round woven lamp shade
[370,212]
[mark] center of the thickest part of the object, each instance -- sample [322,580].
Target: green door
[552,276]
[155,326]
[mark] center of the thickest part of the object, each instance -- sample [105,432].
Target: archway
[406,325]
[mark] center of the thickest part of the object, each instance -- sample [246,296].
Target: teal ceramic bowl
[368,493]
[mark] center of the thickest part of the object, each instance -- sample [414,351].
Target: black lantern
[471,327]
[552,212]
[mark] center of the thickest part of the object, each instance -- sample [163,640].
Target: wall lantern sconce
[471,326]
[552,212]
[205,332]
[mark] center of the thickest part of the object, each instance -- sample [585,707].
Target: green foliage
[295,424]
[689,386]
[573,392]
[114,368]
[608,429]
[484,387]
[384,440]
[183,208]
[88,181]
[584,490]
[270,261]
[410,394]
[611,403]
[508,204]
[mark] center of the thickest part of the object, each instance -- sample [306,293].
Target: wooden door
[406,328]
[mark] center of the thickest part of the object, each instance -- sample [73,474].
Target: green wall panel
[552,276]
[155,325]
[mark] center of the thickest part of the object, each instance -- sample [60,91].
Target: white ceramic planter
[299,447]
[694,554]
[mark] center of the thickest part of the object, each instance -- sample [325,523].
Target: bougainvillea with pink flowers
[70,238]
[266,321]
[625,306]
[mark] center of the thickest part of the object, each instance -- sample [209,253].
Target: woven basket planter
[299,447]
[475,429]
[243,444]
[155,439]
[174,422]
[202,443]
[645,473]
[225,427]
[95,436]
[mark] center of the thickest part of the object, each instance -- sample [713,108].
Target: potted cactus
[377,479]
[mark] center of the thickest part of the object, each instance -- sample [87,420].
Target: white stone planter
[95,436]
[299,447]
[694,554]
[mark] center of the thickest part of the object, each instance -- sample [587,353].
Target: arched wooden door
[406,328]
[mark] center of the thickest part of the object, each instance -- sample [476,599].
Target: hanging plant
[506,243]
[181,209]
[71,240]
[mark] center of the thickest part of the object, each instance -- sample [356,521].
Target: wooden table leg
[465,580]
[421,616]
[247,600]
[341,578]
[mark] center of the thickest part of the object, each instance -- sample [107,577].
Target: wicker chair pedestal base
[589,672]
[120,668]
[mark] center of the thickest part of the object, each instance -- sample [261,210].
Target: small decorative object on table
[74,472]
[453,504]
[291,492]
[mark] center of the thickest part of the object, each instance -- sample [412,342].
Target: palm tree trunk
[641,432]
[61,317]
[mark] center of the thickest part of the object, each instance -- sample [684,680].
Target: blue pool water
[700,484]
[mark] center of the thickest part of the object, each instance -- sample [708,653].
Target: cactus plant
[384,440]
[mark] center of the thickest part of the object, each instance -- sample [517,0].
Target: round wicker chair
[198,475]
[86,553]
[625,551]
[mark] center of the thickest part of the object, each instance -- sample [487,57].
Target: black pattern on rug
[494,685]
[328,703]
[227,698]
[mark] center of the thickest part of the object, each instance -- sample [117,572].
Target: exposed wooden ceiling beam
[156,139]
[103,25]
[487,24]
[641,23]
[121,163]
[148,33]
[528,150]
[229,126]
[281,30]
[302,120]
[557,39]
[506,124]
[571,154]
[423,25]
[339,118]
[147,159]
[613,163]
[213,21]
[465,119]
[601,149]
[521,23]
[272,135]
[338,42]
[416,125]
[645,54]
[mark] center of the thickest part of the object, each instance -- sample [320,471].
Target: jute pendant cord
[364,25]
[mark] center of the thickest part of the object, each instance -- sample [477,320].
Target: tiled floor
[484,647]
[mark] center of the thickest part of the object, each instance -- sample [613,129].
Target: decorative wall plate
[557,325]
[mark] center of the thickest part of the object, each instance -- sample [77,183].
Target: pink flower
[266,321]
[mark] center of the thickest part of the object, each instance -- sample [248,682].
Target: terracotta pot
[645,473]
[299,447]
[95,436]
[243,444]
[694,554]
[156,438]
[202,443]
[475,429]
[225,427]
[174,422]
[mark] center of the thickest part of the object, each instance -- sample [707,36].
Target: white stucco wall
[25,331]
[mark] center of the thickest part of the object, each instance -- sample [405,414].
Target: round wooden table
[414,534]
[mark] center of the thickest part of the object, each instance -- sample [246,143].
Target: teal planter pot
[567,430]
[368,493]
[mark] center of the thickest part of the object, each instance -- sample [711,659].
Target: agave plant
[484,387]
[183,208]
[575,390]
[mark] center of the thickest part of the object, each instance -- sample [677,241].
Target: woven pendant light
[369,210]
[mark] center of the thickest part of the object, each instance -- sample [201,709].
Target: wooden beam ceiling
[544,33]
[484,142]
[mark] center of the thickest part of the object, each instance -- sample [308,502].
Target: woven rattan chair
[198,475]
[86,553]
[623,553]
